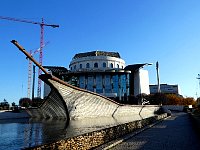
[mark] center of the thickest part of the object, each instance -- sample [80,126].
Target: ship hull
[67,101]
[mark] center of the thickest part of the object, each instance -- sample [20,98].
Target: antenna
[198,77]
[158,78]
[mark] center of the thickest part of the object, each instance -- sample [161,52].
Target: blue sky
[142,31]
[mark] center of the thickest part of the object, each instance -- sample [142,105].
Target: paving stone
[174,133]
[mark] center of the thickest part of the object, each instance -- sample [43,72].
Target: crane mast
[41,57]
[29,76]
[42,24]
[30,69]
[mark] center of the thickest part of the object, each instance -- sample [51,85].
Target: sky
[142,31]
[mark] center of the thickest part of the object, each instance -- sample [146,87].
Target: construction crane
[30,69]
[42,24]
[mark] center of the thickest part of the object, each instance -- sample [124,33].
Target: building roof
[97,53]
[134,67]
[56,69]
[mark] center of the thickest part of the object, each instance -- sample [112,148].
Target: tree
[5,101]
[4,105]
[156,99]
[173,99]
[13,104]
[188,101]
[198,102]
[37,101]
[25,102]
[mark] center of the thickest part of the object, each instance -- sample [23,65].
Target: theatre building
[105,73]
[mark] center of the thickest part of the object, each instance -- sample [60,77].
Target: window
[95,65]
[81,66]
[104,65]
[87,65]
[74,67]
[111,65]
[71,68]
[117,65]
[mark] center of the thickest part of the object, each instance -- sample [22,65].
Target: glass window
[87,65]
[81,66]
[104,65]
[74,67]
[117,65]
[111,65]
[95,65]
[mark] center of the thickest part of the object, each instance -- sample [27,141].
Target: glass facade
[104,65]
[107,83]
[115,83]
[82,82]
[99,84]
[111,85]
[90,83]
[111,65]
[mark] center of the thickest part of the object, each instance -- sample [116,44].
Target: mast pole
[158,78]
[28,55]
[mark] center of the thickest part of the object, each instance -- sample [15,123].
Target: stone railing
[195,118]
[97,138]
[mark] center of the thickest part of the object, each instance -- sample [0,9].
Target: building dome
[96,60]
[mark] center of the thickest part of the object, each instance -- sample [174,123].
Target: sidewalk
[174,133]
[12,115]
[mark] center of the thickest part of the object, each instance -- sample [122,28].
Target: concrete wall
[97,138]
[12,115]
[141,82]
[174,107]
[144,81]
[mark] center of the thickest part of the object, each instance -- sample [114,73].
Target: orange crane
[42,24]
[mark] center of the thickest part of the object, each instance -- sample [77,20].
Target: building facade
[165,88]
[96,60]
[106,73]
